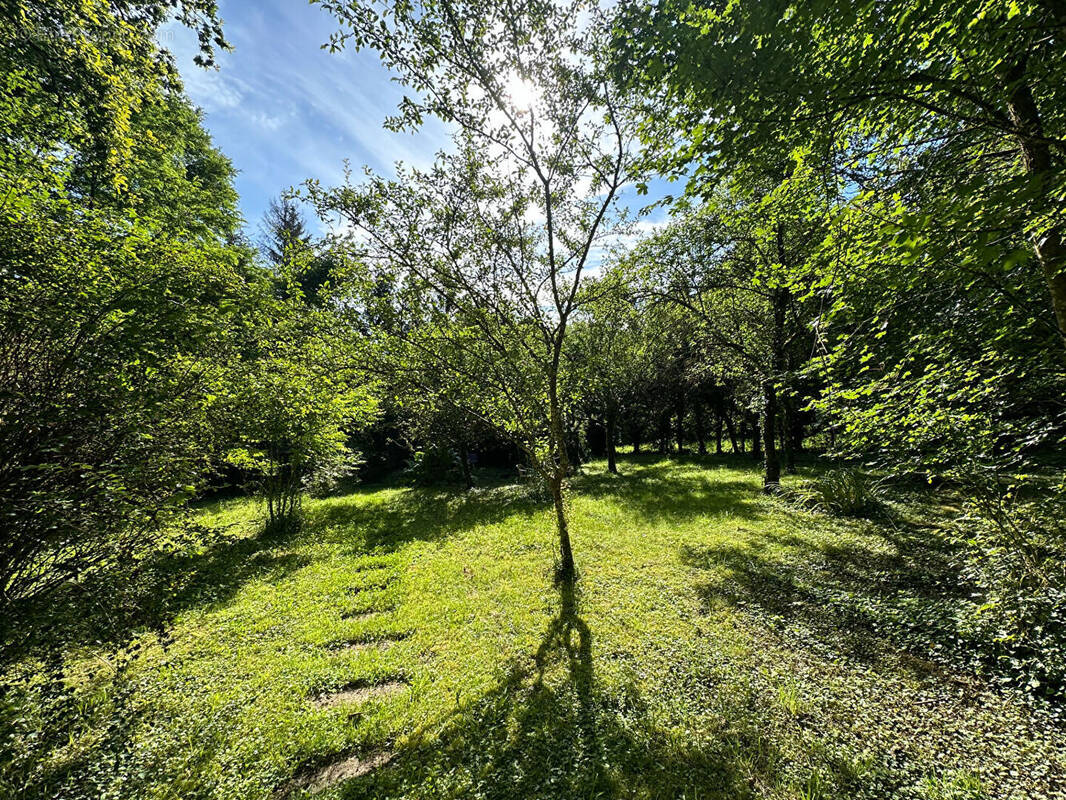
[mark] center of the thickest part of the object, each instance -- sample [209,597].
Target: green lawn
[719,645]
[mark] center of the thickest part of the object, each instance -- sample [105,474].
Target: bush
[844,492]
[432,466]
[1015,554]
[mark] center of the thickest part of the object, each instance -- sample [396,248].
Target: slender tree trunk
[1049,244]
[566,554]
[464,462]
[701,435]
[612,466]
[573,450]
[636,440]
[772,470]
[786,436]
[731,428]
[756,442]
[680,427]
[560,470]
[743,436]
[718,433]
[772,473]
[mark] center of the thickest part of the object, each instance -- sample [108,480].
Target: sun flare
[522,93]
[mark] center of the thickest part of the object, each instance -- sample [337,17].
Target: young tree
[491,246]
[288,407]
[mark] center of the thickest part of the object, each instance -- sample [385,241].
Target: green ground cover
[410,643]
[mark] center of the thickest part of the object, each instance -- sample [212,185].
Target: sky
[284,110]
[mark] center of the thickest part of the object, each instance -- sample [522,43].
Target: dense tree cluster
[142,345]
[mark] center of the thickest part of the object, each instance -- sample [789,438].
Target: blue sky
[285,110]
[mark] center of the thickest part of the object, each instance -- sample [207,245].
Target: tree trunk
[566,554]
[756,442]
[772,474]
[743,437]
[701,437]
[732,432]
[560,470]
[1049,245]
[787,424]
[718,434]
[680,427]
[612,466]
[573,450]
[772,470]
[464,463]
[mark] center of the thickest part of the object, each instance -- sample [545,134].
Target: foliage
[76,75]
[968,94]
[290,405]
[937,131]
[736,268]
[432,466]
[120,289]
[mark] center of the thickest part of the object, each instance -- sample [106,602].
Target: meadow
[411,643]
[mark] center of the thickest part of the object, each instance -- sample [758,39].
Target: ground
[411,643]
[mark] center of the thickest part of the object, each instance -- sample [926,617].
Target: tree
[303,266]
[978,84]
[120,289]
[606,356]
[285,234]
[732,265]
[490,246]
[290,405]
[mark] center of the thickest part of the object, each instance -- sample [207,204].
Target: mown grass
[719,644]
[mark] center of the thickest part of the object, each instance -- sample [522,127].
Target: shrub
[1015,554]
[432,466]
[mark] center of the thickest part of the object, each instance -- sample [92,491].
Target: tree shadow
[415,514]
[655,489]
[550,730]
[111,607]
[849,599]
[111,612]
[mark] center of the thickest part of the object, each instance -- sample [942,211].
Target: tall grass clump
[846,492]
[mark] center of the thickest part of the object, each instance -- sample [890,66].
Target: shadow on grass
[843,598]
[113,606]
[654,487]
[419,514]
[551,731]
[209,568]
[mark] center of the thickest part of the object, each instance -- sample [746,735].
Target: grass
[719,644]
